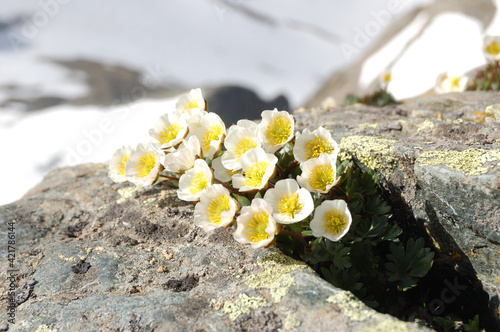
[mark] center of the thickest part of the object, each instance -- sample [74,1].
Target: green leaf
[307,233]
[473,325]
[243,200]
[258,195]
[346,279]
[341,259]
[408,264]
[447,324]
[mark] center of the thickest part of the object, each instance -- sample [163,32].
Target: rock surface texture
[98,256]
[438,159]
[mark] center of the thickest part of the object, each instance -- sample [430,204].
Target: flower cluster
[262,175]
[485,79]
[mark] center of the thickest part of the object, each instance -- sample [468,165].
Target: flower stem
[299,237]
[280,170]
[171,178]
[294,164]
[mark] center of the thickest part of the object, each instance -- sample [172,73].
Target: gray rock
[438,160]
[145,276]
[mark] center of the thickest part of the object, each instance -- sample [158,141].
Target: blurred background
[79,79]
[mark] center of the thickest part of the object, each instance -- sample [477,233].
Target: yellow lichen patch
[426,125]
[243,305]
[291,322]
[375,153]
[168,256]
[492,113]
[127,192]
[468,162]
[351,306]
[45,328]
[149,200]
[388,325]
[276,276]
[84,257]
[67,259]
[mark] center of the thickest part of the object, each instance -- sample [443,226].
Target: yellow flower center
[255,174]
[146,164]
[121,164]
[387,78]
[321,176]
[278,131]
[198,183]
[335,222]
[169,133]
[193,103]
[243,146]
[212,134]
[290,205]
[257,227]
[493,48]
[317,146]
[455,83]
[216,207]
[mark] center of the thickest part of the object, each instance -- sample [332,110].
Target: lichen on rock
[469,162]
[276,277]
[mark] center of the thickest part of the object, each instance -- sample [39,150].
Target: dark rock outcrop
[233,103]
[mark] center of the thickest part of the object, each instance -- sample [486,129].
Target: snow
[64,136]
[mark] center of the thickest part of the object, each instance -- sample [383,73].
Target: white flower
[385,78]
[117,164]
[331,220]
[220,172]
[240,138]
[258,167]
[195,181]
[319,174]
[216,208]
[491,48]
[184,157]
[311,144]
[210,133]
[276,129]
[289,202]
[143,166]
[451,83]
[244,123]
[192,100]
[169,130]
[256,225]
